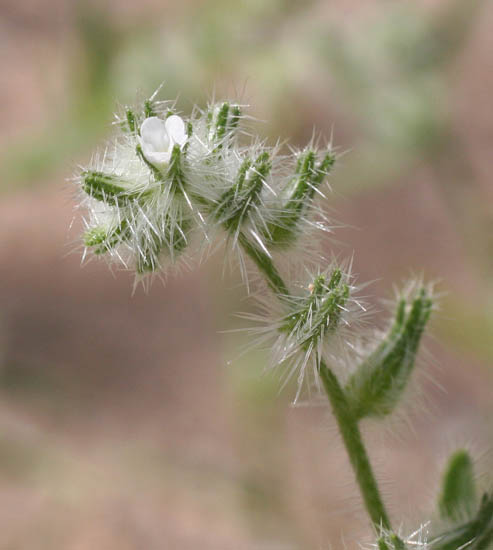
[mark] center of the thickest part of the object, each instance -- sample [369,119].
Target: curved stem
[346,421]
[351,435]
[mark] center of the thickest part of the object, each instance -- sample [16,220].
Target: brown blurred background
[128,422]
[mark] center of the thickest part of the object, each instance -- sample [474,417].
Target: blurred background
[129,422]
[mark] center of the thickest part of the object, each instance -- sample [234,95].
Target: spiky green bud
[298,195]
[130,120]
[235,203]
[458,496]
[149,108]
[108,188]
[378,383]
[320,313]
[223,122]
[102,239]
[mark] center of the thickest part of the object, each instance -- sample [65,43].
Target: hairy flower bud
[311,326]
[109,188]
[319,313]
[298,196]
[222,121]
[379,381]
[102,239]
[458,496]
[235,203]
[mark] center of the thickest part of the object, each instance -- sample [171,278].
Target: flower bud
[298,196]
[458,497]
[235,203]
[109,188]
[103,239]
[318,315]
[130,120]
[378,383]
[223,121]
[149,108]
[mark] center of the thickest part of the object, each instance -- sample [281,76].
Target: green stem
[265,266]
[351,435]
[346,421]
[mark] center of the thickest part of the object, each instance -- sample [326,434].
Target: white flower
[158,137]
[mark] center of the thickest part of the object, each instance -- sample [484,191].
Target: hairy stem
[346,421]
[351,435]
[265,266]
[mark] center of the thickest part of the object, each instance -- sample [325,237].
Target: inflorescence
[168,187]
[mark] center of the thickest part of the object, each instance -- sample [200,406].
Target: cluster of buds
[170,185]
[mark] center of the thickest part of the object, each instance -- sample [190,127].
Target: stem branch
[346,421]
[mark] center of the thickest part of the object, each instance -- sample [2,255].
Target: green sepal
[130,120]
[175,174]
[102,239]
[158,175]
[475,534]
[458,496]
[149,109]
[222,121]
[226,122]
[234,204]
[309,176]
[108,188]
[378,383]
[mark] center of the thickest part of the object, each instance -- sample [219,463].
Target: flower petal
[158,159]
[154,134]
[176,129]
